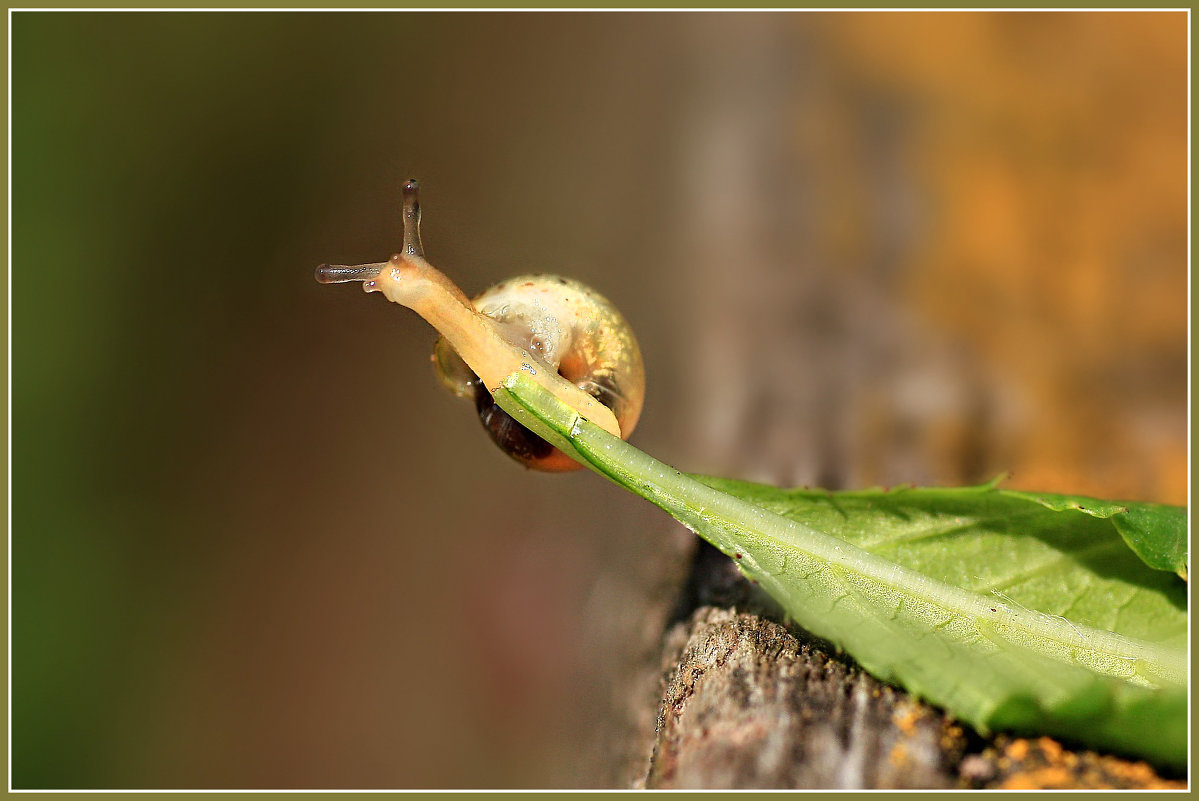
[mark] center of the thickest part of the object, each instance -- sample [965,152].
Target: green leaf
[971,598]
[1059,556]
[1155,532]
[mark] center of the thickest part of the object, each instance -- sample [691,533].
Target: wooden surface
[747,703]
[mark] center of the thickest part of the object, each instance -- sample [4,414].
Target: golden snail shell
[567,336]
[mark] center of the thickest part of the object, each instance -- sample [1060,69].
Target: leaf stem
[732,523]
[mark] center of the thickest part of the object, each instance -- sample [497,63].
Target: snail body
[565,335]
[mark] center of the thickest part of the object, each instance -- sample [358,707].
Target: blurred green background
[253,542]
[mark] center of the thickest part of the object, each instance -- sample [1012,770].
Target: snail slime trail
[566,336]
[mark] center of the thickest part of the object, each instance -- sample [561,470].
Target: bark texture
[749,705]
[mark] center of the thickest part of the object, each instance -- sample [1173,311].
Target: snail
[565,335]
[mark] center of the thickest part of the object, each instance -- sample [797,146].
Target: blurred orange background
[254,544]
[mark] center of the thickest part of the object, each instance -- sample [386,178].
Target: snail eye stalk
[412,244]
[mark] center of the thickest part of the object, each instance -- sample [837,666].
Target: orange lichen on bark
[905,719]
[1043,764]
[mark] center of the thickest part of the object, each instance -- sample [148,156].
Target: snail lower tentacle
[343,273]
[570,339]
